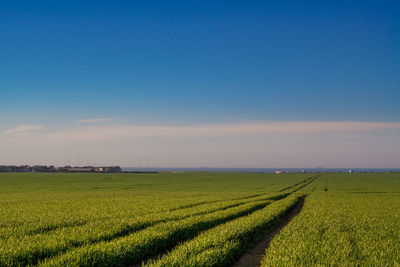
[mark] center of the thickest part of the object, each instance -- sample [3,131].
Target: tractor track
[255,254]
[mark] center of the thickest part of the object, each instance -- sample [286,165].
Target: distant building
[111,169]
[279,172]
[44,168]
[107,169]
[38,168]
[77,169]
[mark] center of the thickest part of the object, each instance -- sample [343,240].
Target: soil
[255,254]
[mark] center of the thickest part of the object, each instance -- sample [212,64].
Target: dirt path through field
[254,255]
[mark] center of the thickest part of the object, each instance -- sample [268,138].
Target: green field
[197,219]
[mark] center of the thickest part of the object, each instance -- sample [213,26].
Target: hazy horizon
[270,144]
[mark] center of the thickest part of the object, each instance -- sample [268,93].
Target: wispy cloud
[96,120]
[239,130]
[24,129]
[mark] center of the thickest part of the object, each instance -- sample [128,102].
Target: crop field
[350,220]
[198,219]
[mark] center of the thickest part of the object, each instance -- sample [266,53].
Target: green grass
[197,219]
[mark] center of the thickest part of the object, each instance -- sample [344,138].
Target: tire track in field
[49,228]
[307,183]
[254,256]
[146,260]
[299,183]
[188,235]
[151,258]
[135,228]
[56,226]
[165,250]
[214,201]
[176,236]
[131,229]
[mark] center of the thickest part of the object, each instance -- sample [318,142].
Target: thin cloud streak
[251,130]
[97,120]
[24,129]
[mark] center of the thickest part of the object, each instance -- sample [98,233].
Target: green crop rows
[352,220]
[197,219]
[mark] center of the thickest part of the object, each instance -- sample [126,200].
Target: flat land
[199,219]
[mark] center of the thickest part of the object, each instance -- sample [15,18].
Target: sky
[200,83]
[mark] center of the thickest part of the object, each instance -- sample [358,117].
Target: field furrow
[225,243]
[30,249]
[296,184]
[151,241]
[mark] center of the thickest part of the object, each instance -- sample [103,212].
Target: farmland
[197,219]
[352,221]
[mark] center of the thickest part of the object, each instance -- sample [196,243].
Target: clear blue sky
[198,62]
[282,60]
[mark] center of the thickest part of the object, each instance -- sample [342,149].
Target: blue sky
[180,63]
